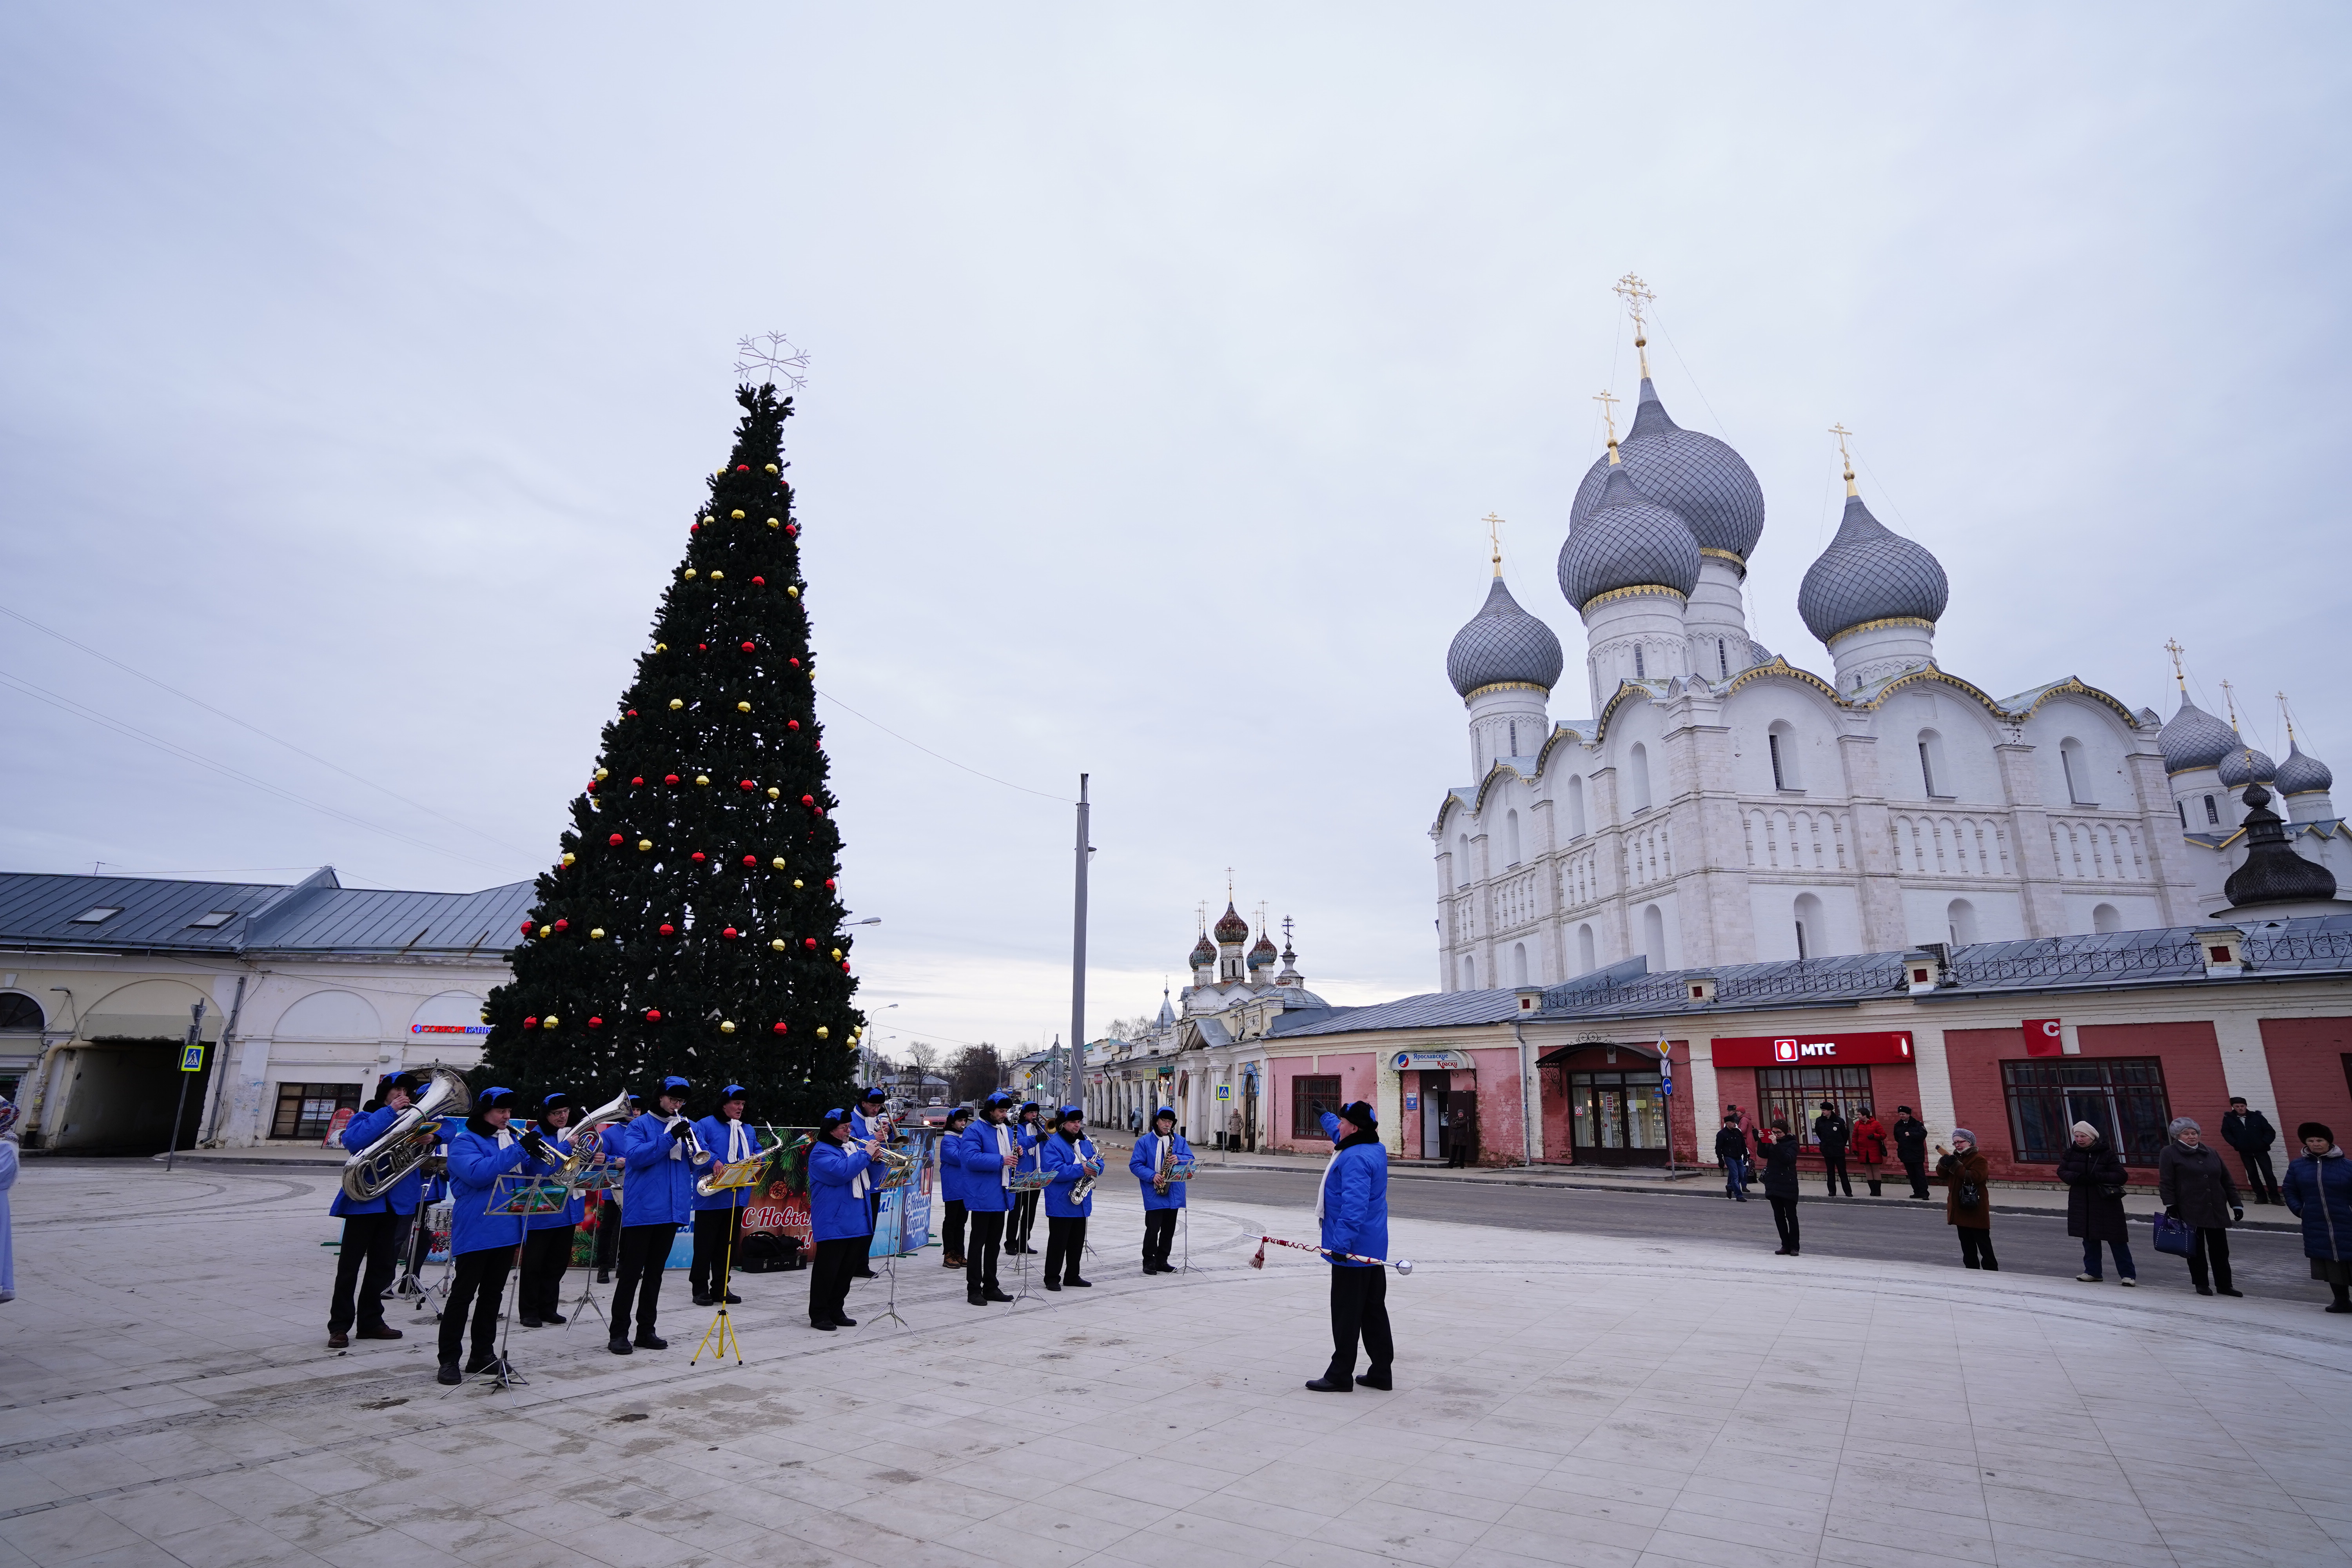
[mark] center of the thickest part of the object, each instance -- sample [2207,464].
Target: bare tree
[1133,1029]
[923,1057]
[975,1073]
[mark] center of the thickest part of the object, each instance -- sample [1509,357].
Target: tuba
[409,1141]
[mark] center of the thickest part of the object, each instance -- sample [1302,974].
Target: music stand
[598,1179]
[1022,1294]
[728,1176]
[520,1196]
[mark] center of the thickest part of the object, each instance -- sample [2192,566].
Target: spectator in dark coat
[1911,1148]
[1780,1148]
[2094,1178]
[2318,1190]
[2198,1192]
[1869,1147]
[1731,1153]
[2250,1133]
[1968,1201]
[1833,1132]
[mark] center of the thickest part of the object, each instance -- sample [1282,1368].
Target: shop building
[311,992]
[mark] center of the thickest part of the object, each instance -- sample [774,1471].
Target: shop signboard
[1813,1049]
[1440,1060]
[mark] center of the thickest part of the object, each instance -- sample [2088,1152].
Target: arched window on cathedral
[2106,918]
[1933,777]
[1461,860]
[1519,964]
[1654,935]
[1813,926]
[1722,659]
[2212,812]
[1576,828]
[1469,972]
[1780,740]
[1637,777]
[1640,672]
[1586,960]
[2182,806]
[2077,769]
[1515,737]
[1511,836]
[1960,922]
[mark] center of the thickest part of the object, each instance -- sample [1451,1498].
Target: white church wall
[2079,749]
[1984,914]
[1959,737]
[2129,911]
[1831,913]
[1809,752]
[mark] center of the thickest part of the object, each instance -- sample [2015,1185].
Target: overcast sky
[358,366]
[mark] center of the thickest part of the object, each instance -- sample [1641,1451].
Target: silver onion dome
[1629,541]
[2301,774]
[1870,573]
[2242,765]
[1700,479]
[1503,643]
[2193,738]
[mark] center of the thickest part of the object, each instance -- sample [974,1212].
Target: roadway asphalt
[2265,1263]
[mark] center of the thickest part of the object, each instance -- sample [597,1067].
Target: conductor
[1353,1206]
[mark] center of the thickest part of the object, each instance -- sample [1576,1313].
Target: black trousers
[1021,1219]
[608,1235]
[645,1249]
[979,1253]
[1917,1171]
[1159,1235]
[403,1226]
[863,1268]
[1359,1309]
[546,1254]
[951,1227]
[1976,1248]
[829,1275]
[2259,1176]
[716,1232]
[1834,1173]
[479,1282]
[1784,1220]
[2209,1252]
[1066,1244]
[368,1240]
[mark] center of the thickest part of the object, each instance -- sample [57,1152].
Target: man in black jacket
[2250,1133]
[1911,1148]
[1731,1153]
[1834,1131]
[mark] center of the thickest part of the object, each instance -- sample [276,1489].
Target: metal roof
[1430,1010]
[316,915]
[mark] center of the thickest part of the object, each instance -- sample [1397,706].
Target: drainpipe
[1526,1100]
[207,1131]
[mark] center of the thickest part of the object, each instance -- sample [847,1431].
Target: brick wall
[1552,1084]
[2306,1059]
[2193,1083]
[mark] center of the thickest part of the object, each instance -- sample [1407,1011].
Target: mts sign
[1815,1050]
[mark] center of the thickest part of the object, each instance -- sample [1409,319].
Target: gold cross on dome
[1607,401]
[1636,294]
[2288,719]
[2230,697]
[1844,456]
[1229,887]
[2172,646]
[1494,538]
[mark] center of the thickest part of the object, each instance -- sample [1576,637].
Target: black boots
[448,1373]
[1378,1378]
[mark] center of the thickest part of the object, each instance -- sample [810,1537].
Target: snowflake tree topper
[768,355]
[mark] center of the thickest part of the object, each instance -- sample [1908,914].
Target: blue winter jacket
[1331,1125]
[983,1188]
[573,1208]
[655,1188]
[952,1177]
[1030,1143]
[1355,1200]
[2318,1190]
[1146,1160]
[475,1162]
[713,1131]
[835,1213]
[1065,1164]
[403,1195]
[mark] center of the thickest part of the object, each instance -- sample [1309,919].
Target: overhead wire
[950,762]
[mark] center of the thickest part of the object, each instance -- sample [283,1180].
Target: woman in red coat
[1869,1146]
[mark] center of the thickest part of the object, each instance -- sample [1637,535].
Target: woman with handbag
[2095,1182]
[1780,1149]
[1869,1146]
[2318,1190]
[1967,1206]
[2198,1192]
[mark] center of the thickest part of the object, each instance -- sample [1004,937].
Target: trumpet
[587,1139]
[409,1141]
[724,1174]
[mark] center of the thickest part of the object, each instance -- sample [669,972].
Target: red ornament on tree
[779,1029]
[698,857]
[792,528]
[667,929]
[751,647]
[615,840]
[531,1023]
[669,778]
[653,1014]
[828,884]
[808,800]
[631,713]
[742,468]
[564,925]
[595,1022]
[809,942]
[796,663]
[749,784]
[526,928]
[759,581]
[791,724]
[750,859]
[702,647]
[728,933]
[638,780]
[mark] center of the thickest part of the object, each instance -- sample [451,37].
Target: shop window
[2123,1097]
[1309,1098]
[1619,1115]
[19,1013]
[305,1110]
[1795,1095]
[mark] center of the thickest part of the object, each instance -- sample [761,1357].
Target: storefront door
[1435,1114]
[1617,1118]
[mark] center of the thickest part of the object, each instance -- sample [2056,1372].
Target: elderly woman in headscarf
[8,1180]
[1968,1203]
[2094,1177]
[2318,1190]
[2198,1192]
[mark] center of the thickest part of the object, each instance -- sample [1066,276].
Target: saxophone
[1086,1184]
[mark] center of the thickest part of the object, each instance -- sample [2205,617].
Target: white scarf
[738,1142]
[857,1183]
[1003,1150]
[1324,1183]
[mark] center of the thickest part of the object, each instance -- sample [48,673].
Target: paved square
[1560,1399]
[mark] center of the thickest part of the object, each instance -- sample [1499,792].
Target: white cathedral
[1724,806]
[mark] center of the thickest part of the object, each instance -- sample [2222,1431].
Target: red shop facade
[1790,1076]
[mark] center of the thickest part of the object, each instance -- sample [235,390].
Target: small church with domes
[1724,806]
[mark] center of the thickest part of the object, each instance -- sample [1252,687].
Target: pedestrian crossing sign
[192,1058]
[1224,1092]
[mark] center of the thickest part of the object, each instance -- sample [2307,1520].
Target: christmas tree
[692,925]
